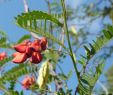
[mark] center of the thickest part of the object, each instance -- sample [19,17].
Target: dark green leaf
[36,15]
[25,37]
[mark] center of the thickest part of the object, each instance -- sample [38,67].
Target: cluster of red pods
[3,55]
[28,81]
[30,50]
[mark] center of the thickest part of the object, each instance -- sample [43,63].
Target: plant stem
[68,38]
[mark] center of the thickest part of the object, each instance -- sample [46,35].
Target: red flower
[22,47]
[31,50]
[36,57]
[3,55]
[19,57]
[28,81]
[23,52]
[36,45]
[43,43]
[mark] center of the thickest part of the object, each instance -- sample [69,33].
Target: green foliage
[3,40]
[12,85]
[23,19]
[15,93]
[99,43]
[16,72]
[2,87]
[2,33]
[52,55]
[39,31]
[88,81]
[3,62]
[23,38]
[29,22]
[10,92]
[109,78]
[65,77]
[5,45]
[62,76]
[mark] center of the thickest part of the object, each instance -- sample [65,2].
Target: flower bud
[28,81]
[3,55]
[43,75]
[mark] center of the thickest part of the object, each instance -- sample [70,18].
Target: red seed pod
[22,47]
[28,81]
[44,39]
[3,55]
[43,43]
[29,51]
[15,54]
[20,57]
[36,45]
[36,41]
[36,58]
[36,48]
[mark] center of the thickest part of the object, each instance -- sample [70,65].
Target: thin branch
[103,87]
[62,40]
[26,9]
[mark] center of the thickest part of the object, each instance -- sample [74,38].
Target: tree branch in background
[26,9]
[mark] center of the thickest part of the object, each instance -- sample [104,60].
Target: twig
[62,40]
[26,9]
[103,87]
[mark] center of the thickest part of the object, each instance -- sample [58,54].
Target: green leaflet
[52,55]
[28,21]
[39,31]
[3,40]
[4,90]
[9,92]
[16,72]
[12,85]
[25,37]
[99,43]
[3,37]
[36,15]
[2,33]
[83,90]
[2,62]
[109,77]
[5,45]
[62,76]
[88,81]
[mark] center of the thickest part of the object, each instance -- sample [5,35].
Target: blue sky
[11,8]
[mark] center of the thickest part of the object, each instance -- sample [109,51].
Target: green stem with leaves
[68,39]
